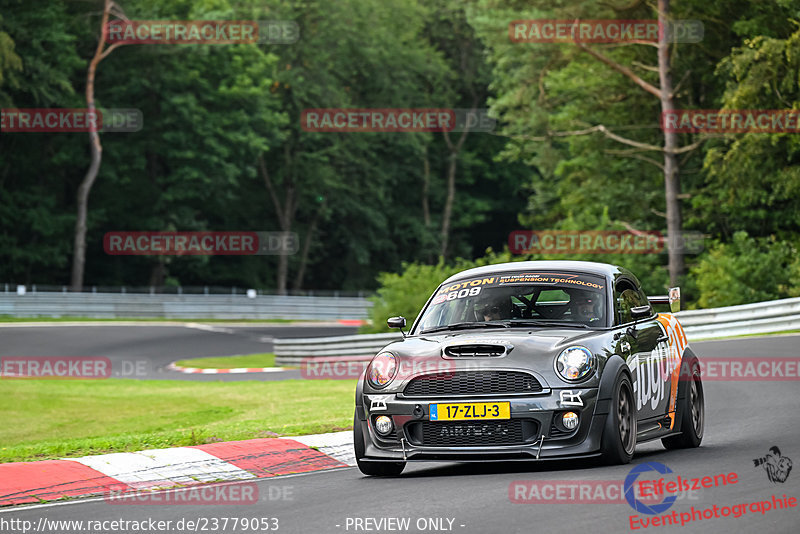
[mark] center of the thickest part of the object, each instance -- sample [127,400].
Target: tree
[9,61]
[556,62]
[79,249]
[670,150]
[747,269]
[451,34]
[36,186]
[208,112]
[753,179]
[350,54]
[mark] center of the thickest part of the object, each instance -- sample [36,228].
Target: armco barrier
[758,318]
[291,351]
[130,305]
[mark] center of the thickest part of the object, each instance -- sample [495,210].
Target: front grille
[472,433]
[467,383]
[475,351]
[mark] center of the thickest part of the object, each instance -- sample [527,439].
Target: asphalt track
[743,420]
[144,352]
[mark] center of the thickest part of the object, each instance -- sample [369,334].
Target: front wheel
[692,411]
[619,432]
[373,469]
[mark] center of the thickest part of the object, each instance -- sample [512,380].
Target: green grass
[44,419]
[266,359]
[45,319]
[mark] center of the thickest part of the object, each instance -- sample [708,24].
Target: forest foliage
[372,206]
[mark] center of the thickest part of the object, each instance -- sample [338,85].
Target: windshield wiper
[532,322]
[459,326]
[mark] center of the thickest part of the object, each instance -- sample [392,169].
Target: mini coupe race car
[538,360]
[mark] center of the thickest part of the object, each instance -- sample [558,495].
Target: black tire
[692,410]
[373,469]
[619,432]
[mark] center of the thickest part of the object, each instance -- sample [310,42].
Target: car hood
[524,349]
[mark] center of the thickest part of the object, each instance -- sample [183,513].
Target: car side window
[626,296]
[642,298]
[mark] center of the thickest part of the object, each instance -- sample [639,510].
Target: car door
[644,340]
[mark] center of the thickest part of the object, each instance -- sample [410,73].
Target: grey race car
[532,360]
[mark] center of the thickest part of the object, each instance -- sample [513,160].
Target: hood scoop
[476,350]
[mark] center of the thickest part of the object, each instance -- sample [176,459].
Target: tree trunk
[283,274]
[426,184]
[448,203]
[79,246]
[672,185]
[301,270]
[158,274]
[452,164]
[285,213]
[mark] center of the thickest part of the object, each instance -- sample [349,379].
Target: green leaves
[406,292]
[753,182]
[8,61]
[368,202]
[748,270]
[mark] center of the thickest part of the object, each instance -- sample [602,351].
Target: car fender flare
[687,361]
[614,367]
[360,413]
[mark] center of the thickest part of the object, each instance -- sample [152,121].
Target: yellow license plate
[470,410]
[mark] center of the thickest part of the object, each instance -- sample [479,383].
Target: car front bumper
[531,433]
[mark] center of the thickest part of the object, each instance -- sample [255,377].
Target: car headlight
[382,370]
[575,363]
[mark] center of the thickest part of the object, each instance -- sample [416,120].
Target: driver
[585,306]
[492,308]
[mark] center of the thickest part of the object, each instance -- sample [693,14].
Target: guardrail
[6,287]
[129,305]
[289,351]
[757,318]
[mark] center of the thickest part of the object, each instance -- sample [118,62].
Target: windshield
[527,298]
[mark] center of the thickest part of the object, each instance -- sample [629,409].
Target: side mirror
[396,322]
[640,312]
[674,299]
